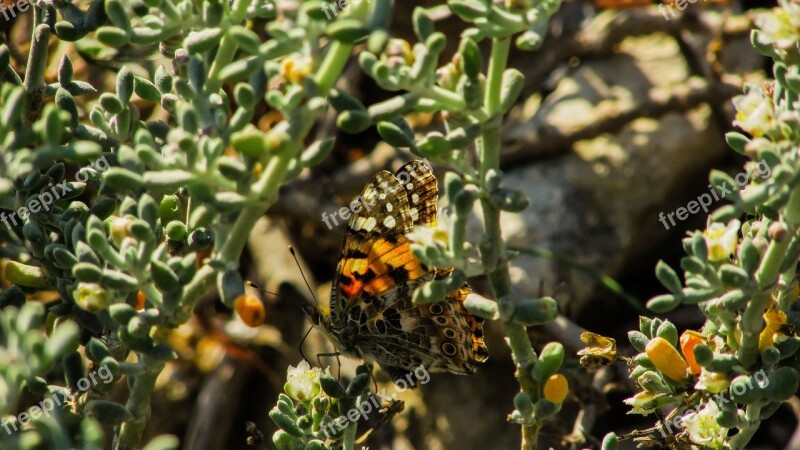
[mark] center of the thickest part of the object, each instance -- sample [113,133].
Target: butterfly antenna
[260,289]
[313,296]
[311,291]
[300,348]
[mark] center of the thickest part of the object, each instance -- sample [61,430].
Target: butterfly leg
[328,355]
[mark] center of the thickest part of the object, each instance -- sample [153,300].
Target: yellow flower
[296,68]
[722,240]
[774,319]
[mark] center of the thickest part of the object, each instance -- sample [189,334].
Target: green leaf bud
[347,30]
[65,339]
[468,10]
[610,442]
[394,135]
[638,340]
[663,303]
[121,313]
[165,279]
[203,40]
[745,390]
[112,36]
[783,384]
[668,277]
[119,280]
[358,384]
[481,306]
[108,412]
[146,90]
[354,121]
[550,360]
[668,331]
[317,152]
[285,423]
[509,199]
[331,386]
[535,311]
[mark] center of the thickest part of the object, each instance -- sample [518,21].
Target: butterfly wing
[377,274]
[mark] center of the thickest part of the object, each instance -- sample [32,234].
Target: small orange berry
[140,301]
[689,340]
[250,309]
[666,358]
[556,388]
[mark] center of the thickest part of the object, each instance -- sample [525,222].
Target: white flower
[755,112]
[713,382]
[780,26]
[703,428]
[437,235]
[721,240]
[302,382]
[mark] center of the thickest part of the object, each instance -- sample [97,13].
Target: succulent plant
[131,201]
[717,384]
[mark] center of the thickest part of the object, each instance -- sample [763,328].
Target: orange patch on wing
[353,288]
[372,274]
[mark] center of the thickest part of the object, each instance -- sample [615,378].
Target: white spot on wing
[414,198]
[389,222]
[369,224]
[389,207]
[414,213]
[410,186]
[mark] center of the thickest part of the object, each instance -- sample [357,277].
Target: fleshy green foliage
[172,175]
[742,365]
[317,412]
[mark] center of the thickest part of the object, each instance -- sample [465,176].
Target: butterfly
[370,314]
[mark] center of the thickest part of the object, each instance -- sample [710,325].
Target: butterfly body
[370,314]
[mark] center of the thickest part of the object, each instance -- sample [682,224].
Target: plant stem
[227,48]
[349,436]
[496,260]
[141,391]
[34,73]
